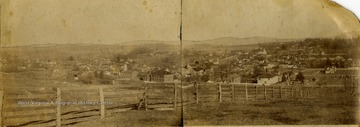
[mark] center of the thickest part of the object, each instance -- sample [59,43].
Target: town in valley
[306,61]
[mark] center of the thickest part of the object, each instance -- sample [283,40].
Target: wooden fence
[233,92]
[155,78]
[162,95]
[1,105]
[21,105]
[60,106]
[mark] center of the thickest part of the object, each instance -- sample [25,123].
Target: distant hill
[231,41]
[83,50]
[151,42]
[136,42]
[349,35]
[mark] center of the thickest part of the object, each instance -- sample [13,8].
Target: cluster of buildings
[264,65]
[103,70]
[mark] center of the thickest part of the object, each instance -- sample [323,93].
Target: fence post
[175,100]
[281,92]
[102,105]
[197,92]
[1,105]
[256,93]
[58,107]
[318,91]
[246,92]
[219,89]
[292,92]
[233,92]
[265,93]
[146,96]
[307,92]
[273,92]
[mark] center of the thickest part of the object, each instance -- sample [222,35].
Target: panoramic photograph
[98,63]
[274,62]
[178,63]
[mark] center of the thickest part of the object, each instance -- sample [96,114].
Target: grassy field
[330,107]
[315,112]
[138,118]
[338,108]
[270,113]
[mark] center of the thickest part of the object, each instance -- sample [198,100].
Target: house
[267,79]
[187,70]
[198,70]
[262,52]
[115,70]
[228,59]
[235,79]
[59,73]
[270,65]
[128,75]
[356,62]
[287,66]
[158,75]
[330,70]
[168,78]
[143,56]
[247,79]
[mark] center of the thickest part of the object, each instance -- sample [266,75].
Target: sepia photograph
[90,63]
[273,62]
[117,63]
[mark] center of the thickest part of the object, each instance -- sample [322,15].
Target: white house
[267,79]
[262,52]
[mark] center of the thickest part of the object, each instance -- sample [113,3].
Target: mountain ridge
[230,41]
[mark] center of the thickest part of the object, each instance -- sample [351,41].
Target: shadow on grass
[279,117]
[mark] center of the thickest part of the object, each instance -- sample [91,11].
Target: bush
[9,69]
[87,78]
[106,80]
[205,78]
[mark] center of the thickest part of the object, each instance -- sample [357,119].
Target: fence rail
[58,106]
[232,92]
[51,106]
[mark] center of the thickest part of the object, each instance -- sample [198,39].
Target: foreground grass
[138,118]
[282,112]
[300,112]
[331,107]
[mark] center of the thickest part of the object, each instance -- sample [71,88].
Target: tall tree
[328,62]
[300,77]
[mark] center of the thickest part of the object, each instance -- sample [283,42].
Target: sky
[26,22]
[285,19]
[90,21]
[353,5]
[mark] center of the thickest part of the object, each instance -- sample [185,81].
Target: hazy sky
[353,5]
[27,22]
[91,21]
[207,19]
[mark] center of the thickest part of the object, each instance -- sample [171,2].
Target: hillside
[349,35]
[63,51]
[230,41]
